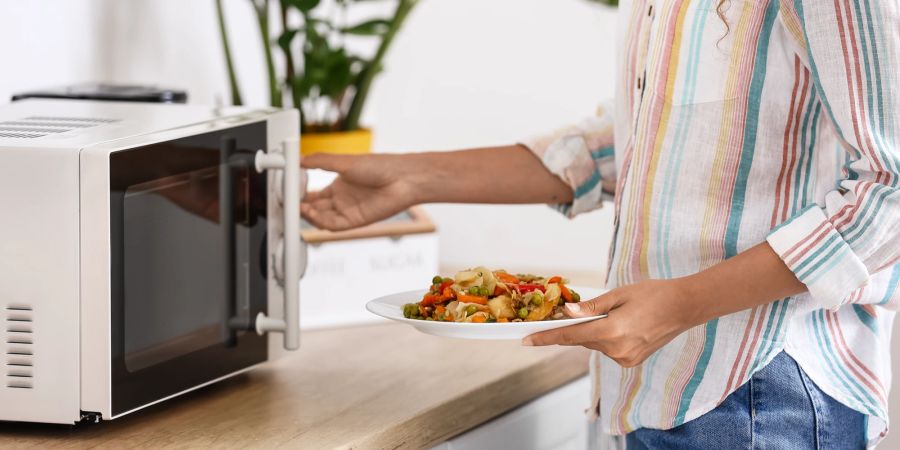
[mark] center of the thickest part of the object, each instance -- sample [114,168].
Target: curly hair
[720,10]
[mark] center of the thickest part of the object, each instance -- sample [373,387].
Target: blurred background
[461,73]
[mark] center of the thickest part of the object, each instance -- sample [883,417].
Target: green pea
[447,279]
[576,297]
[473,290]
[483,291]
[491,319]
[437,279]
[537,299]
[523,313]
[471,309]
[409,310]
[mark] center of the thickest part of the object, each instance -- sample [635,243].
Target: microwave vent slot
[19,323]
[7,134]
[39,126]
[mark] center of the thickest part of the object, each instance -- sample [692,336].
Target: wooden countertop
[377,386]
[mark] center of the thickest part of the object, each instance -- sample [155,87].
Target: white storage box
[347,269]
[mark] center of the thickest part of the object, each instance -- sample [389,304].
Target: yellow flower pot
[343,142]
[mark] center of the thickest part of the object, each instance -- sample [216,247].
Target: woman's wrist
[422,173]
[697,302]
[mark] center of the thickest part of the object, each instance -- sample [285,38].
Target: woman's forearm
[754,277]
[510,174]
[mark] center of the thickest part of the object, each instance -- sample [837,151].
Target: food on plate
[481,295]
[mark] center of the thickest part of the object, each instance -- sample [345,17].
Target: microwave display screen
[188,221]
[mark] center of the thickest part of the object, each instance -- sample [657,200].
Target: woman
[754,158]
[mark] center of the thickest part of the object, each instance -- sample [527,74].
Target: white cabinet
[555,421]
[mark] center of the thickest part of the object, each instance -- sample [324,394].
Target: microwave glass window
[188,221]
[175,261]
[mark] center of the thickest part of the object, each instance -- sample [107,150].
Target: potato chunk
[501,307]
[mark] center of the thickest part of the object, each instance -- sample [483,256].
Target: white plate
[391,307]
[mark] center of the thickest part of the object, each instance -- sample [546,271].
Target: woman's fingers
[594,307]
[581,334]
[323,219]
[314,195]
[313,207]
[311,215]
[572,335]
[323,214]
[321,204]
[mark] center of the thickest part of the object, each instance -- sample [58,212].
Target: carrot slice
[465,298]
[555,279]
[431,299]
[479,319]
[507,278]
[566,293]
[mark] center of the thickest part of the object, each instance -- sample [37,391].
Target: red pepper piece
[526,288]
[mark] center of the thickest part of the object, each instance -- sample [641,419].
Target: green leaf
[303,5]
[374,27]
[284,41]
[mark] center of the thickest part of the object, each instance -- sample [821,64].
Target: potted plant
[325,81]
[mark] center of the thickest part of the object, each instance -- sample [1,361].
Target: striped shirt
[783,128]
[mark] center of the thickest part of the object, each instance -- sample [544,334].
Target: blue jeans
[779,408]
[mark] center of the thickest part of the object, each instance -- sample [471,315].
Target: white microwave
[147,250]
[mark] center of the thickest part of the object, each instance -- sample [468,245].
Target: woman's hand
[368,188]
[642,318]
[645,316]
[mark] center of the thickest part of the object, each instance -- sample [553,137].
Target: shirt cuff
[569,159]
[819,257]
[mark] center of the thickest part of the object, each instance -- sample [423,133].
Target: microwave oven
[147,250]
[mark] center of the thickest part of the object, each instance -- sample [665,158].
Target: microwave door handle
[227,150]
[288,160]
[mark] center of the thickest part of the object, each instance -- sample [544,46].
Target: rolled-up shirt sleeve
[834,247]
[582,155]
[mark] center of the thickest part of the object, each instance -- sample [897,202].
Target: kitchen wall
[46,43]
